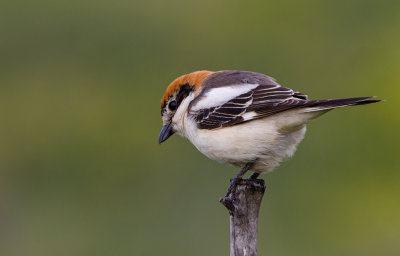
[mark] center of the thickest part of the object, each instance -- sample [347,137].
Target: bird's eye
[172,105]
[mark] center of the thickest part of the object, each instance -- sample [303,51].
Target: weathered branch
[243,204]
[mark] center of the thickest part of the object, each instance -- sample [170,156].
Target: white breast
[262,140]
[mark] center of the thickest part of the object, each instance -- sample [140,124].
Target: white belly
[267,141]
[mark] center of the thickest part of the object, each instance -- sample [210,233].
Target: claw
[233,185]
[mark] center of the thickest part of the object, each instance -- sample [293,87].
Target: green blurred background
[81,172]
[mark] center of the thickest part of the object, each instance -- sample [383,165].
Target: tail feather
[318,105]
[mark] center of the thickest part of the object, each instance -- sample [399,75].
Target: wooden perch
[243,204]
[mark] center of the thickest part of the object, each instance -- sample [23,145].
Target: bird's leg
[254,176]
[238,177]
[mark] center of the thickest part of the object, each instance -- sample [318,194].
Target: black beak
[165,133]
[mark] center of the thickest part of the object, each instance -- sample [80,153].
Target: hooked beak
[165,133]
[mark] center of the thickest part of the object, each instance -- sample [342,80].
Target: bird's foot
[234,182]
[237,188]
[251,181]
[256,183]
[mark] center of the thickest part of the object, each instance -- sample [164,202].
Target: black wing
[266,99]
[262,101]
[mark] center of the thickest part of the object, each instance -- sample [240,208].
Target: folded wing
[234,97]
[262,101]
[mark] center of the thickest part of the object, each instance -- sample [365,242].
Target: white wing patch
[218,96]
[249,115]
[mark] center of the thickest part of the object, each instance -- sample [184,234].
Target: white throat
[178,121]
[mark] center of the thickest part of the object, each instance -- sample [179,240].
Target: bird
[242,118]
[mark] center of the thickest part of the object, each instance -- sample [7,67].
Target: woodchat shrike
[241,118]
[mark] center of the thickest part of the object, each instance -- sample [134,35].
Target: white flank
[218,96]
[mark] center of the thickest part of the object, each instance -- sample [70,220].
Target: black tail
[317,105]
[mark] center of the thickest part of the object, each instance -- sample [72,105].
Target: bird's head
[176,93]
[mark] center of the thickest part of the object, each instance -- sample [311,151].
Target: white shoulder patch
[218,96]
